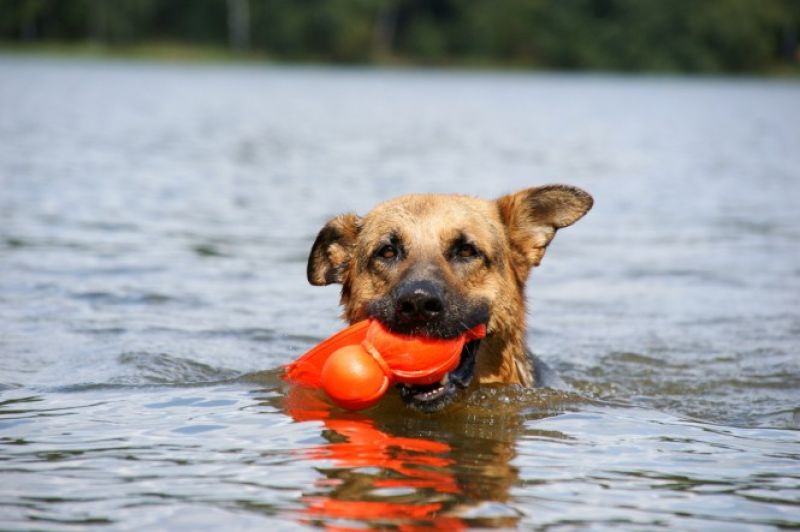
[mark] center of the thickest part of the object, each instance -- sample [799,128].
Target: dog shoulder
[543,375]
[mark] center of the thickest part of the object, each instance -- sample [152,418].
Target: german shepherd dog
[437,265]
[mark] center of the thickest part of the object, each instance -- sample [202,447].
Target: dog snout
[419,301]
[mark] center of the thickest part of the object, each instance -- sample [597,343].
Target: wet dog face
[437,265]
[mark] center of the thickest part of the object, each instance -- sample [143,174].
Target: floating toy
[356,365]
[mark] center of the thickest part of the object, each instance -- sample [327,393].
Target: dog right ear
[332,250]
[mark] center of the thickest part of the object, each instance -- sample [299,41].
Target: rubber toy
[356,365]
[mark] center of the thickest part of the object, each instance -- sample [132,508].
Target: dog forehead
[433,213]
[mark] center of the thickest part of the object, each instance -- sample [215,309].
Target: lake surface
[155,221]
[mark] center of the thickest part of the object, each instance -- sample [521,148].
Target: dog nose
[419,301]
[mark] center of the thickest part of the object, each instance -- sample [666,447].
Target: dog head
[437,265]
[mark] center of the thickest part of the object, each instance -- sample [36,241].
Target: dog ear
[332,250]
[532,217]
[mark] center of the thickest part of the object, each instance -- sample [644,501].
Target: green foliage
[626,35]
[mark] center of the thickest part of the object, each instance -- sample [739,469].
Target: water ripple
[154,231]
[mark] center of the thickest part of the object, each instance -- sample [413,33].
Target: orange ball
[353,379]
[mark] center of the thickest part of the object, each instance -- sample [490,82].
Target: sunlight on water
[154,226]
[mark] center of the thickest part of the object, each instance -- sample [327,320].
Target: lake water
[155,221]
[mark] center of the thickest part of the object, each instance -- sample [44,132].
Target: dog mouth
[434,397]
[456,319]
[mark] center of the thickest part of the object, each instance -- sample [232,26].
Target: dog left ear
[330,255]
[532,217]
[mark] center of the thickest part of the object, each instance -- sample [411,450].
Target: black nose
[419,301]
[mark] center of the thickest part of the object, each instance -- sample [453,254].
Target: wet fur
[430,232]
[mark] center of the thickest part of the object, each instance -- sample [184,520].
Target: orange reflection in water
[415,471]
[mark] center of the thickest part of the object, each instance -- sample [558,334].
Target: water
[154,226]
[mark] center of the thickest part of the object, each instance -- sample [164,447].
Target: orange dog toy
[356,365]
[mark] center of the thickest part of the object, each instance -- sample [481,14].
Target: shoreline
[175,52]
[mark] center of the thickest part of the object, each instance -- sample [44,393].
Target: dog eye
[466,251]
[388,251]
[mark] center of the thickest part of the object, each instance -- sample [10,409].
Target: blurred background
[627,35]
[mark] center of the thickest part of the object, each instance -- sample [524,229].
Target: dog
[437,265]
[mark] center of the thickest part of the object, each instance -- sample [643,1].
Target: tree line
[622,35]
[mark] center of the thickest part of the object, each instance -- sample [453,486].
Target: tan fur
[512,233]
